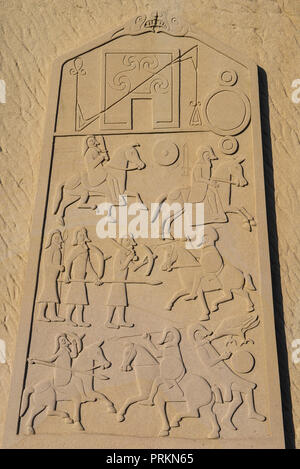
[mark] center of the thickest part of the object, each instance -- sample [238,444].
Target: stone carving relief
[141,327]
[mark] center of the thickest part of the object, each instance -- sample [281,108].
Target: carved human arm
[73,349]
[37,361]
[153,349]
[100,257]
[214,361]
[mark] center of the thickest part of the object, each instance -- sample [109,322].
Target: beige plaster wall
[34,32]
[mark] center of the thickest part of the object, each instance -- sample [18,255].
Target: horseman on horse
[172,368]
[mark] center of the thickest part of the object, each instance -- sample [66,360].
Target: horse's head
[129,354]
[231,171]
[133,157]
[96,353]
[237,172]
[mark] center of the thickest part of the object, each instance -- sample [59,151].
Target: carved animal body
[75,189]
[229,173]
[78,388]
[228,278]
[196,390]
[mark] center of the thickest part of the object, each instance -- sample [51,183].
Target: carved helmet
[176,336]
[197,328]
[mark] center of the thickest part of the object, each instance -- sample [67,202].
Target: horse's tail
[58,198]
[25,399]
[249,284]
[159,203]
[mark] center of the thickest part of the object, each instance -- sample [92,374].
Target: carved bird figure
[236,326]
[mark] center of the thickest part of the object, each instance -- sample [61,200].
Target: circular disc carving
[228,145]
[228,78]
[242,361]
[227,111]
[166,153]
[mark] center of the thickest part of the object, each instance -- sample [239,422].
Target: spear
[138,282]
[51,365]
[64,238]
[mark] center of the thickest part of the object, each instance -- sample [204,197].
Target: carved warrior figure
[167,381]
[172,368]
[204,270]
[51,267]
[211,185]
[227,386]
[76,297]
[73,367]
[202,185]
[117,300]
[98,177]
[94,159]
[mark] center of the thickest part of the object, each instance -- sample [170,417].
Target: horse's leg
[68,199]
[168,221]
[100,396]
[226,296]
[176,297]
[76,416]
[245,294]
[161,404]
[36,409]
[205,312]
[130,401]
[249,216]
[52,412]
[248,219]
[191,411]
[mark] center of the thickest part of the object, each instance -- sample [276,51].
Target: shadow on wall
[275,266]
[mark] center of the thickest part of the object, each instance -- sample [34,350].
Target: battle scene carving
[130,328]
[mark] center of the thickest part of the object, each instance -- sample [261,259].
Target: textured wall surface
[35,32]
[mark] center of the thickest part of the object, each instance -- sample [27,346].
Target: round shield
[242,361]
[166,153]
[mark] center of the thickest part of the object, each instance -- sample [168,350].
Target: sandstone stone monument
[148,339]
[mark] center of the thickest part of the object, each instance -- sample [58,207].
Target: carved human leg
[79,315]
[161,405]
[120,317]
[52,314]
[76,416]
[68,319]
[231,409]
[41,315]
[215,427]
[252,414]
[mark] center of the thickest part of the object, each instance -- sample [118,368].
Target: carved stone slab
[140,341]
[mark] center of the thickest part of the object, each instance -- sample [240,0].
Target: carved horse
[44,395]
[227,174]
[197,392]
[76,188]
[229,279]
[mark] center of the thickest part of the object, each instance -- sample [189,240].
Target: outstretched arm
[153,349]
